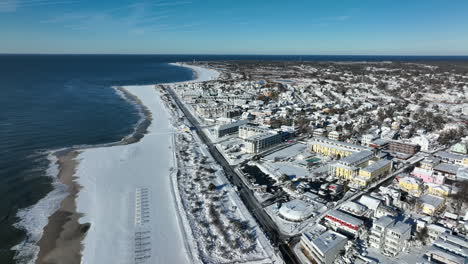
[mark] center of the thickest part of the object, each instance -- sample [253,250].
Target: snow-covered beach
[110,178]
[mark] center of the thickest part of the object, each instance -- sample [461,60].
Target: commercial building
[227,129]
[329,147]
[343,222]
[401,147]
[261,142]
[296,210]
[325,248]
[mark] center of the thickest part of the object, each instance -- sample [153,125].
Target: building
[325,248]
[319,132]
[429,163]
[401,147]
[329,147]
[389,236]
[334,135]
[435,231]
[453,158]
[446,170]
[438,190]
[227,129]
[211,110]
[348,167]
[246,131]
[411,185]
[367,139]
[296,211]
[460,148]
[431,204]
[448,249]
[378,230]
[427,176]
[375,170]
[261,142]
[343,222]
[396,237]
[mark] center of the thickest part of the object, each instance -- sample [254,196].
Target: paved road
[263,219]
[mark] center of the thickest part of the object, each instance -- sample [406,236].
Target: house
[411,185]
[438,190]
[428,175]
[431,204]
[325,248]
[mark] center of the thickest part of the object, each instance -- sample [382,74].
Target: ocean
[50,102]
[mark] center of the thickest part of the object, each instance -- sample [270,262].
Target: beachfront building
[228,129]
[246,131]
[261,142]
[431,204]
[211,110]
[343,222]
[348,167]
[325,248]
[329,147]
[411,185]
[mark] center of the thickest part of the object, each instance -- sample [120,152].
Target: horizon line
[234,54]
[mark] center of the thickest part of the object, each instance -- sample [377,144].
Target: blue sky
[235,27]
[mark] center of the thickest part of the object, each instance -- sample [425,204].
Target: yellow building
[438,190]
[330,147]
[431,204]
[411,185]
[348,167]
[361,181]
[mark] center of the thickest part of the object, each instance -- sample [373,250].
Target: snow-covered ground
[127,227]
[110,177]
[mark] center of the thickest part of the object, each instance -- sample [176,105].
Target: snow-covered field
[127,193]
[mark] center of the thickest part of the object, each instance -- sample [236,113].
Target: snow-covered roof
[377,165]
[432,200]
[345,217]
[448,168]
[296,210]
[354,208]
[384,221]
[328,241]
[369,202]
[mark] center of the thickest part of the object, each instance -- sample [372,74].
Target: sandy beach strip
[61,240]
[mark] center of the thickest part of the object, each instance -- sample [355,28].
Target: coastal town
[323,162]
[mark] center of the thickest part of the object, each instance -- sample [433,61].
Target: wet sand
[61,240]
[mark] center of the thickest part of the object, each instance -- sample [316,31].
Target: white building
[259,143]
[325,248]
[296,210]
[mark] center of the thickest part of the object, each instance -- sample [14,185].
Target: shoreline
[62,240]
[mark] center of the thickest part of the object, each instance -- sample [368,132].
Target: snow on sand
[110,177]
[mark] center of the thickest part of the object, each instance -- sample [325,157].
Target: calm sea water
[54,101]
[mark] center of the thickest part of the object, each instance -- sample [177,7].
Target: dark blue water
[55,101]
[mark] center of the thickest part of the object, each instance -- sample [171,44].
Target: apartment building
[401,147]
[261,142]
[227,129]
